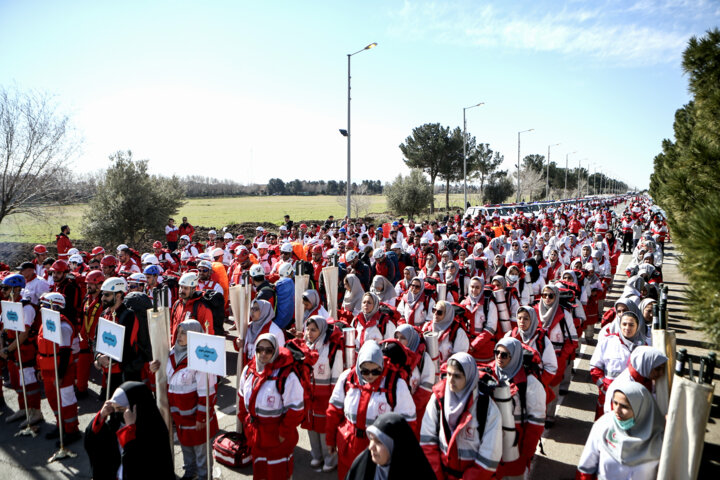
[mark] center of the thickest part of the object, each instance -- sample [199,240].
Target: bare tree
[36,143]
[359,201]
[532,183]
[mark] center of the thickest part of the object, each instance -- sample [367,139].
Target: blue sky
[254,90]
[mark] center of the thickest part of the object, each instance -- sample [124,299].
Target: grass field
[209,212]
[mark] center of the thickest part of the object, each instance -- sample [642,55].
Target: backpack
[388,313]
[335,339]
[306,268]
[392,257]
[232,450]
[199,246]
[215,302]
[285,302]
[392,376]
[302,366]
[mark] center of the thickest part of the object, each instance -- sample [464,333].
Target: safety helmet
[205,264]
[242,253]
[137,278]
[189,279]
[152,270]
[185,237]
[97,251]
[263,245]
[205,256]
[150,259]
[108,261]
[212,232]
[377,254]
[114,284]
[259,229]
[73,251]
[95,277]
[331,252]
[59,266]
[350,256]
[257,271]
[121,247]
[286,247]
[77,258]
[218,252]
[15,280]
[51,299]
[40,249]
[285,270]
[228,236]
[157,244]
[317,249]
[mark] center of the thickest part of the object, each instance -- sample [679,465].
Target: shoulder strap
[445,424]
[483,402]
[522,391]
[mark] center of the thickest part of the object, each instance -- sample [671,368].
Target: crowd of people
[451,344]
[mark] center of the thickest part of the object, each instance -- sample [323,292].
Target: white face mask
[512,278]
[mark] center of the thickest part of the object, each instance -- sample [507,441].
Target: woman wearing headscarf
[353,294]
[269,416]
[187,391]
[647,365]
[402,287]
[611,357]
[128,438]
[633,288]
[646,310]
[484,316]
[499,267]
[452,272]
[555,266]
[595,292]
[326,371]
[451,336]
[372,323]
[534,281]
[558,323]
[530,333]
[515,279]
[614,249]
[528,404]
[514,255]
[312,304]
[512,299]
[261,322]
[383,288]
[422,376]
[430,267]
[468,270]
[626,442]
[461,432]
[415,307]
[611,319]
[392,454]
[361,394]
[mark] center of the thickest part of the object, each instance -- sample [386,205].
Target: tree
[428,149]
[451,169]
[499,188]
[409,195]
[276,187]
[532,183]
[130,203]
[36,143]
[483,162]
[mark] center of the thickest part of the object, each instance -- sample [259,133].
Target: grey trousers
[195,460]
[319,449]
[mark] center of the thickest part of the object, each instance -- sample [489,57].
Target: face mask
[528,269]
[625,424]
[512,278]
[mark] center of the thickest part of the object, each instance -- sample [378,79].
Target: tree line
[686,177]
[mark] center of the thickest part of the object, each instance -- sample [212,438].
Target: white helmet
[218,252]
[331,252]
[285,270]
[286,247]
[52,299]
[185,237]
[228,236]
[377,254]
[114,284]
[189,279]
[121,247]
[73,251]
[257,271]
[212,232]
[350,256]
[150,259]
[137,278]
[77,258]
[205,264]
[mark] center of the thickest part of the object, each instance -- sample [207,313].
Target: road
[26,457]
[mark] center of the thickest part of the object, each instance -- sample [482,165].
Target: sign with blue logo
[206,353]
[51,325]
[110,339]
[13,316]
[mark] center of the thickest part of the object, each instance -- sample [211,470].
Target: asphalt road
[26,457]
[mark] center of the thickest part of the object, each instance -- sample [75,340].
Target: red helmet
[157,244]
[242,254]
[240,238]
[95,277]
[108,261]
[97,251]
[302,225]
[317,249]
[40,249]
[59,266]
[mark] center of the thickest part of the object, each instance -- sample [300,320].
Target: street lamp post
[566,174]
[465,155]
[547,173]
[372,45]
[579,171]
[517,197]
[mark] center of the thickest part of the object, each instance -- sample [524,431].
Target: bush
[409,195]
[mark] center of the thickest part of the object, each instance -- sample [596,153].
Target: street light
[566,173]
[347,134]
[579,190]
[547,173]
[517,197]
[465,155]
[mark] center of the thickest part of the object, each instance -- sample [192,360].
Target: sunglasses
[503,355]
[437,310]
[414,285]
[366,372]
[265,350]
[548,295]
[203,270]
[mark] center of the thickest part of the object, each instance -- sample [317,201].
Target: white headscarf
[528,334]
[547,312]
[369,352]
[447,319]
[515,349]
[266,316]
[454,403]
[388,292]
[270,338]
[353,297]
[189,325]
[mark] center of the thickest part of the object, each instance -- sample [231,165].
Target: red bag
[231,449]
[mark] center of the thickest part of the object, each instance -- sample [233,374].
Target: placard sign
[110,339]
[206,353]
[13,316]
[51,325]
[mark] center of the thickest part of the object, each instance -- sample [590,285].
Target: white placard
[110,339]
[13,316]
[52,328]
[206,353]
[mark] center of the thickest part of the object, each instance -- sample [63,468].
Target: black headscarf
[535,272]
[407,460]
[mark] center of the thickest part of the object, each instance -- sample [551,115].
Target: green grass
[209,212]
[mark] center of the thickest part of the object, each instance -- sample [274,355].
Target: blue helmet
[152,270]
[15,280]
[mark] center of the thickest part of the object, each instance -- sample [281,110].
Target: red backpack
[335,339]
[302,366]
